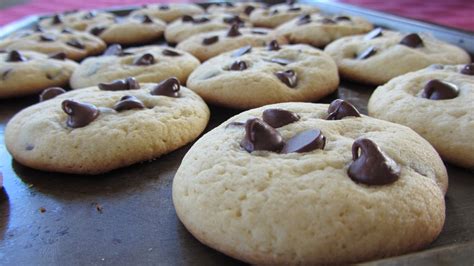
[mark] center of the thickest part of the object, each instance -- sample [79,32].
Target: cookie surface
[319,30]
[262,76]
[147,64]
[27,72]
[76,45]
[78,20]
[376,58]
[243,9]
[209,44]
[44,137]
[446,123]
[169,12]
[303,208]
[276,15]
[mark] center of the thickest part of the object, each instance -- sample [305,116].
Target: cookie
[437,103]
[147,64]
[209,44]
[254,76]
[242,9]
[286,186]
[93,131]
[23,73]
[319,30]
[187,26]
[276,15]
[77,20]
[381,55]
[76,45]
[169,12]
[138,29]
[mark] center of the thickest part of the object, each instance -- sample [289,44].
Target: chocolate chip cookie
[209,44]
[168,12]
[276,15]
[311,184]
[242,9]
[319,30]
[147,64]
[254,76]
[76,45]
[437,102]
[381,55]
[102,128]
[78,20]
[26,72]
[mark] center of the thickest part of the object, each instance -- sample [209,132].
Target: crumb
[42,210]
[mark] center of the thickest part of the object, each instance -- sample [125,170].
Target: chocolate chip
[5,73]
[56,19]
[187,18]
[129,83]
[273,46]
[412,40]
[128,102]
[144,60]
[468,69]
[75,43]
[372,166]
[342,18]
[210,40]
[440,90]
[274,12]
[169,52]
[338,109]
[242,51]
[288,77]
[279,117]
[89,15]
[47,37]
[261,136]
[67,31]
[233,19]
[15,56]
[377,32]
[146,19]
[79,114]
[235,124]
[294,9]
[238,66]
[58,56]
[367,53]
[234,31]
[305,19]
[327,21]
[248,10]
[201,20]
[50,93]
[259,32]
[280,61]
[97,30]
[114,49]
[164,7]
[305,141]
[169,87]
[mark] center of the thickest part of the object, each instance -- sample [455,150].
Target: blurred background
[453,13]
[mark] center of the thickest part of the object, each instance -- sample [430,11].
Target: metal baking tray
[126,217]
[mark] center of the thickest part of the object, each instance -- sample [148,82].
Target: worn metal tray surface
[127,217]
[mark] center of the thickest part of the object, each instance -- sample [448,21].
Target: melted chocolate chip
[75,43]
[305,19]
[288,77]
[144,60]
[305,141]
[412,40]
[233,19]
[115,49]
[273,46]
[47,37]
[79,114]
[274,12]
[97,30]
[342,18]
[248,10]
[169,87]
[234,31]
[372,166]
[259,32]
[367,53]
[146,19]
[164,7]
[129,83]
[128,102]
[279,117]
[210,40]
[56,19]
[242,51]
[50,93]
[261,136]
[327,21]
[468,69]
[15,56]
[187,18]
[440,90]
[169,52]
[377,32]
[338,109]
[235,124]
[280,61]
[58,56]
[238,66]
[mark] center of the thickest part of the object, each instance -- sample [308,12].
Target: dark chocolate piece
[47,37]
[79,114]
[294,9]
[234,31]
[342,18]
[259,32]
[242,51]
[128,102]
[338,109]
[235,124]
[468,69]
[377,32]
[305,141]
[367,53]
[97,30]
[248,10]
[279,117]
[261,136]
[164,7]
[372,166]
[440,90]
[288,77]
[15,56]
[327,21]
[233,19]
[75,43]
[187,18]
[273,46]
[274,12]
[144,60]
[412,40]
[56,19]
[169,87]
[50,93]
[146,19]
[210,40]
[169,52]
[58,56]
[304,19]
[238,66]
[280,61]
[129,83]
